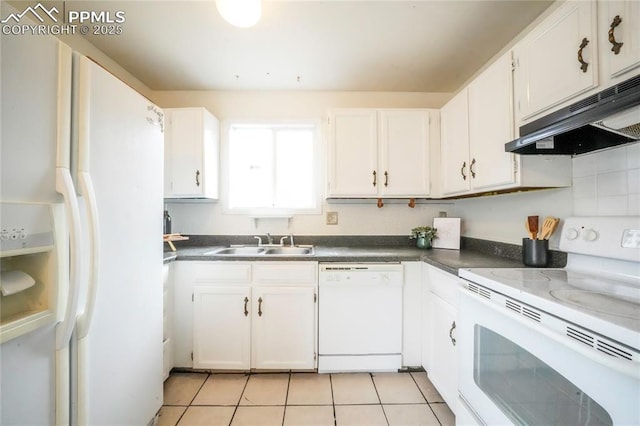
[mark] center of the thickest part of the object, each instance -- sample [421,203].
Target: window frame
[317,173]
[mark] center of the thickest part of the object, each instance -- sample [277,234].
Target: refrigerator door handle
[64,185]
[86,189]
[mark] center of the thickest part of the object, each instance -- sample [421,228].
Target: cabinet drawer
[221,272]
[444,285]
[285,272]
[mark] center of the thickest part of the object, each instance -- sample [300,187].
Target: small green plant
[426,232]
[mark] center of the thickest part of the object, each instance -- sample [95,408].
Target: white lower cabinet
[221,327]
[439,339]
[251,315]
[444,355]
[283,333]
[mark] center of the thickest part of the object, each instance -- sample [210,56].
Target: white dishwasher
[360,317]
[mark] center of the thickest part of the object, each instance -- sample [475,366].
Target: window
[273,168]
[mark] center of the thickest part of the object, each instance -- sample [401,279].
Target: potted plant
[423,236]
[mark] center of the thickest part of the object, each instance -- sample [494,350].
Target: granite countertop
[475,255]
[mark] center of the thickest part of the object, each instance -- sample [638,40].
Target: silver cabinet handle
[260,307]
[386,179]
[197,177]
[375,178]
[453,327]
[246,301]
[473,172]
[464,166]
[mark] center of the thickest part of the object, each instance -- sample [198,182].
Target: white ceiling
[404,46]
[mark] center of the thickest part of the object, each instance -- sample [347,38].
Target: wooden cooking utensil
[554,226]
[549,225]
[546,228]
[532,222]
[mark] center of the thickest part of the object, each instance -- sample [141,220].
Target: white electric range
[550,345]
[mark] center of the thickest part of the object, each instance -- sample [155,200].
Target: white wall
[502,217]
[607,183]
[353,219]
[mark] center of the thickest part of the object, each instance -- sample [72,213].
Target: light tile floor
[299,399]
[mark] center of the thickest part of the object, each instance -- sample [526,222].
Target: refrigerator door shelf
[37,306]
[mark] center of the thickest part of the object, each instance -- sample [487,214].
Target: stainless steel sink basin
[289,251]
[238,251]
[263,251]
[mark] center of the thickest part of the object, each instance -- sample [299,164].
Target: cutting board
[448,233]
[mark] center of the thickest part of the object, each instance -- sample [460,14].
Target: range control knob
[590,234]
[572,234]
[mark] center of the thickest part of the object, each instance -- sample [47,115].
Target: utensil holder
[535,252]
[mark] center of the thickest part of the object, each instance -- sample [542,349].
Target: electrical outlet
[332,218]
[442,214]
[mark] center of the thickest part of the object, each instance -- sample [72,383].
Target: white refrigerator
[69,126]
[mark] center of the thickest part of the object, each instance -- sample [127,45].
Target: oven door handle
[628,368]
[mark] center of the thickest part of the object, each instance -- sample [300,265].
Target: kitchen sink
[263,251]
[290,251]
[238,251]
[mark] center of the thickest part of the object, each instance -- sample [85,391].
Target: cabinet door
[454,128]
[547,65]
[625,30]
[353,153]
[491,126]
[444,355]
[283,330]
[191,153]
[404,153]
[222,327]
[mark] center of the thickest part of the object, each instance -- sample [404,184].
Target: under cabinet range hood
[604,120]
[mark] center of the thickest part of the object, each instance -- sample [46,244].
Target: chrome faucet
[259,240]
[269,238]
[290,236]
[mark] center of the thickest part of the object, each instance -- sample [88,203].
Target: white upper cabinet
[454,148]
[191,153]
[557,60]
[619,30]
[475,125]
[404,153]
[491,126]
[353,153]
[379,153]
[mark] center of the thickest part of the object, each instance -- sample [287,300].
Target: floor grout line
[384,413]
[425,397]
[333,400]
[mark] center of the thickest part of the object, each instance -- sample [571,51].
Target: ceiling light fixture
[240,13]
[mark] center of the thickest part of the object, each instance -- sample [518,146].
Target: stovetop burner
[598,302]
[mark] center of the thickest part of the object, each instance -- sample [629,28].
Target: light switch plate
[332,218]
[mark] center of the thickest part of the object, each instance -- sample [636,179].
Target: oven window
[526,389]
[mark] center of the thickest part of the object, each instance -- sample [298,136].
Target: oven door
[515,370]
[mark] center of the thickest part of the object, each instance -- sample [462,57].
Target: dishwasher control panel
[356,274]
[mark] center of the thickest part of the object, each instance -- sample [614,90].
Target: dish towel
[12,282]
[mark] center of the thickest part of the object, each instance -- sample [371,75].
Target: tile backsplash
[607,183]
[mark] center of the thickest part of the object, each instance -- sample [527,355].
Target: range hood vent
[604,120]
